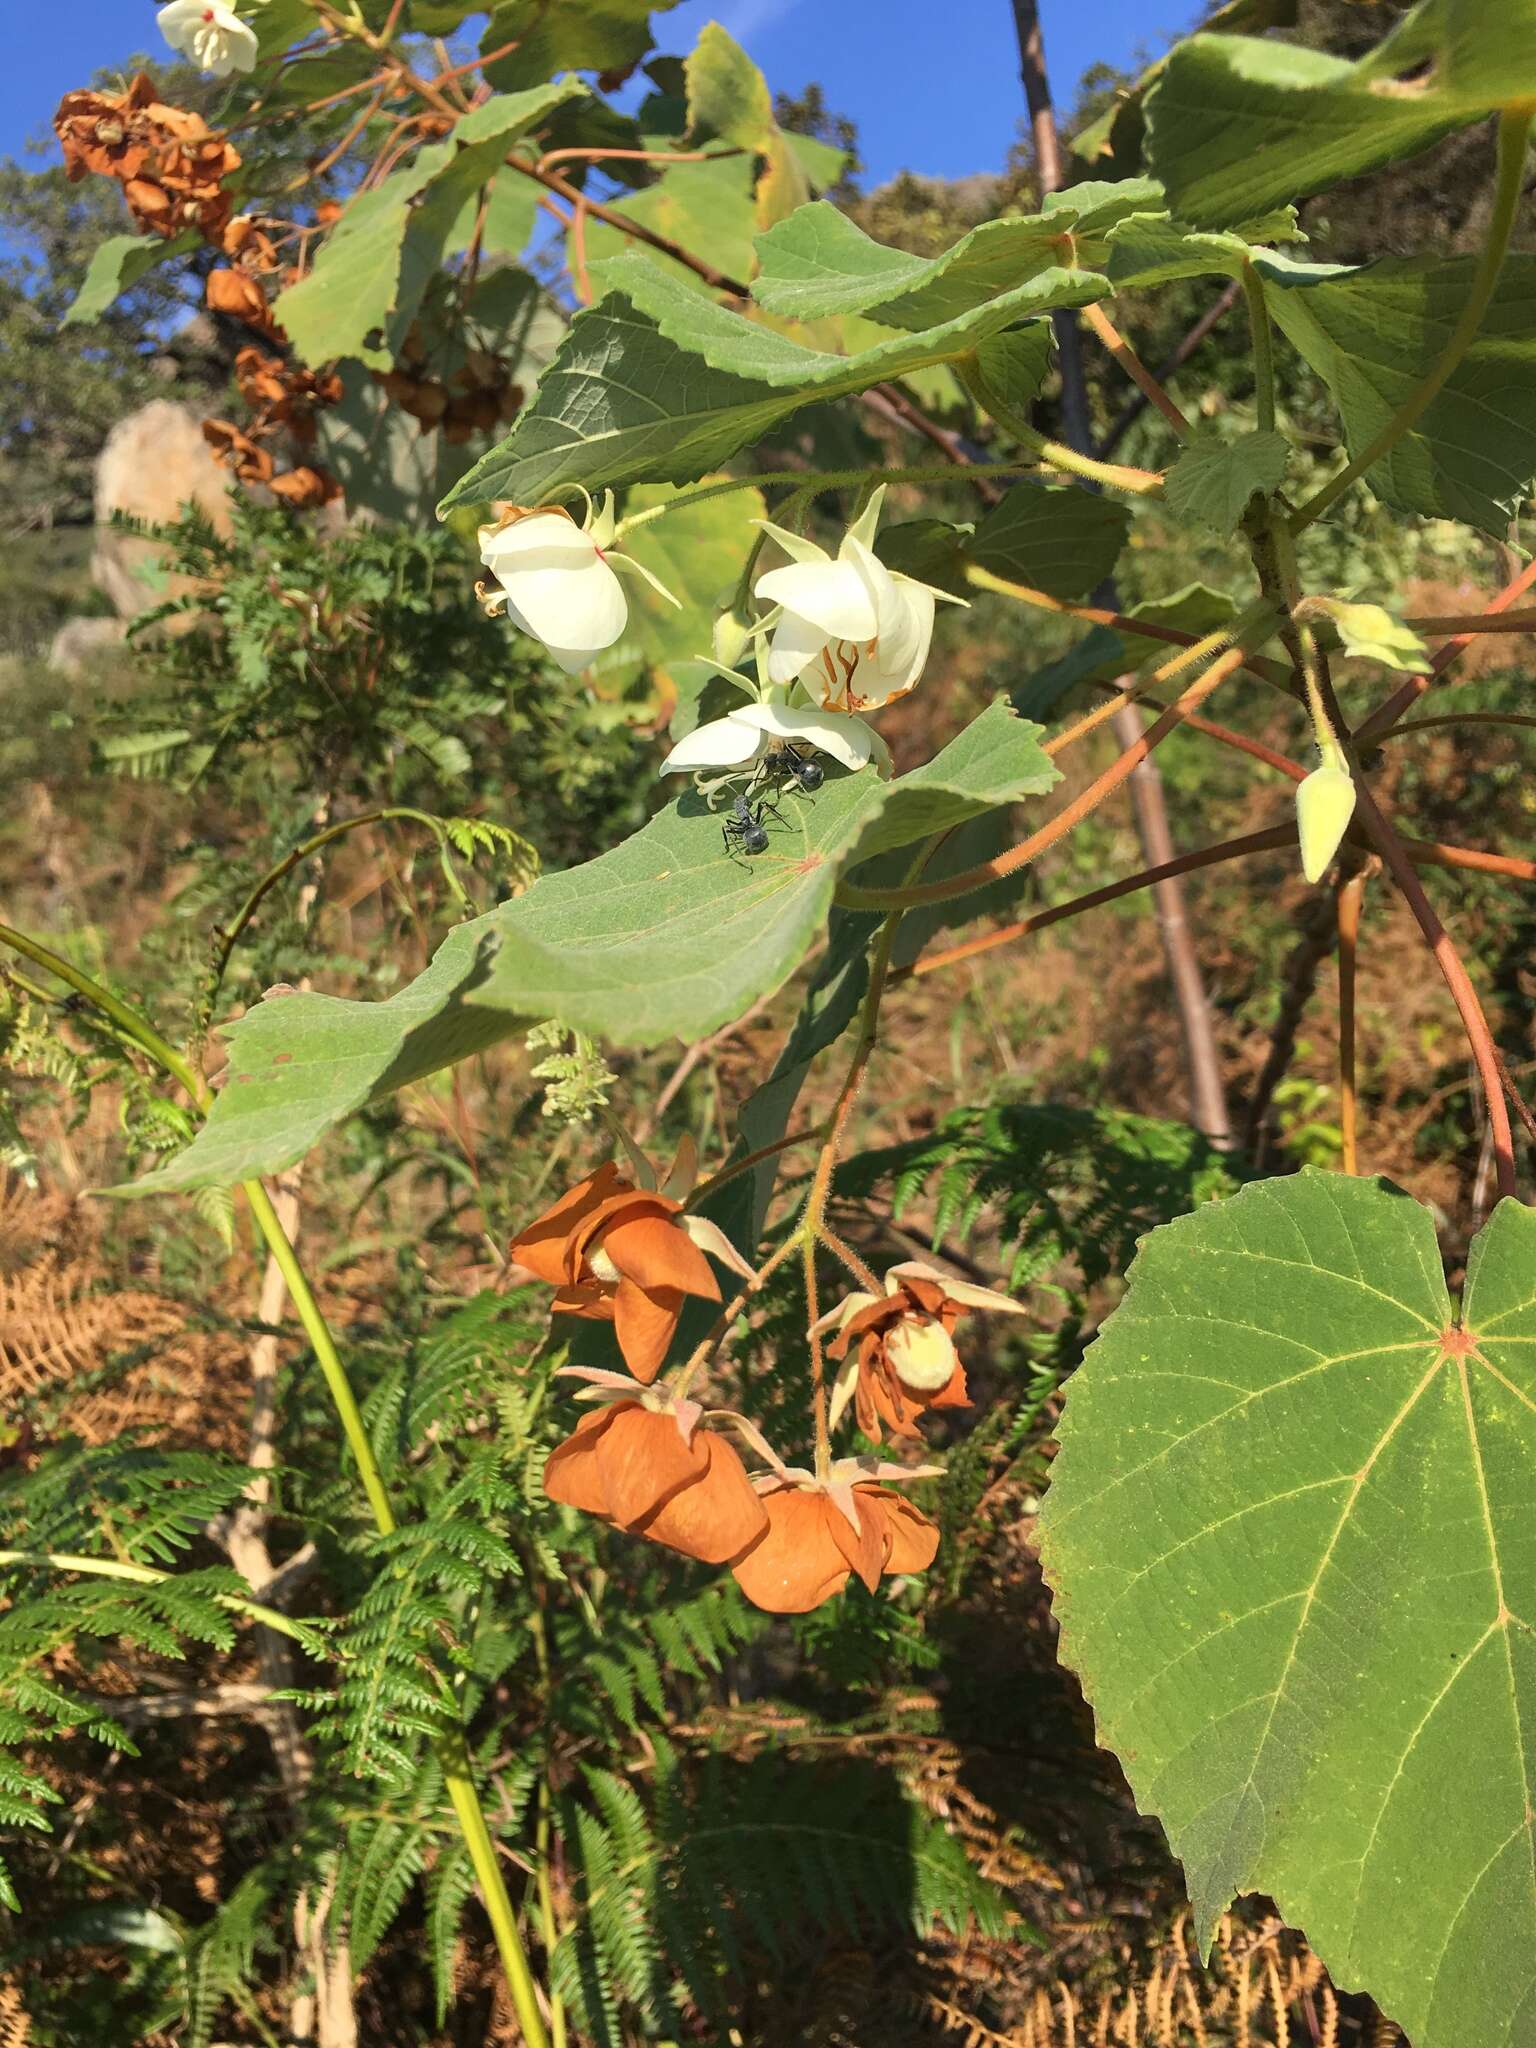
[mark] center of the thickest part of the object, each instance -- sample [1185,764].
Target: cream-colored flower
[210,34]
[558,582]
[745,735]
[852,632]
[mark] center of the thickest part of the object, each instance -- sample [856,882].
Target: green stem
[127,1020]
[1263,349]
[1514,131]
[147,1575]
[813,482]
[230,938]
[318,1332]
[1056,454]
[453,1755]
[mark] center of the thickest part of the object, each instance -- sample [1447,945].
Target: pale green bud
[1325,803]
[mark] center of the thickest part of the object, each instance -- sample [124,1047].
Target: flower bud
[1325,803]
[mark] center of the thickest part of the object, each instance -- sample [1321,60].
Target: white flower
[854,633]
[746,734]
[558,580]
[212,35]
[1325,803]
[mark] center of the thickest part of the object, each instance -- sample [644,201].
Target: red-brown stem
[849,1257]
[1465,624]
[1522,1108]
[1066,820]
[1351,895]
[1388,712]
[1457,980]
[716,1181]
[579,277]
[1186,863]
[1135,368]
[1432,853]
[1426,853]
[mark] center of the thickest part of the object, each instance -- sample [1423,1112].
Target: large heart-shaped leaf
[656,384]
[1236,125]
[1290,1537]
[1373,335]
[667,936]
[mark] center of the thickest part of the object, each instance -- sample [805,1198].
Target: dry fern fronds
[57,1323]
[15,2027]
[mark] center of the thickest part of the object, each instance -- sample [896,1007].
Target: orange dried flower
[645,1464]
[240,297]
[820,1531]
[237,451]
[627,1255]
[170,167]
[905,1361]
[305,486]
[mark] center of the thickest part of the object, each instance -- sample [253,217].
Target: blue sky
[933,84]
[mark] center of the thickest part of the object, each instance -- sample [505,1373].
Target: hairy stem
[1351,897]
[1151,389]
[1056,454]
[1263,350]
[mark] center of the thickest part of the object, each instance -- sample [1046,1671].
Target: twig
[1136,369]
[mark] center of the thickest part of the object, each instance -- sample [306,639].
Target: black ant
[744,830]
[786,765]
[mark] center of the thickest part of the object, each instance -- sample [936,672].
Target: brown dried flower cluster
[479,397]
[283,396]
[171,168]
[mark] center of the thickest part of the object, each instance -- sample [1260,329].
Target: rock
[79,643]
[154,464]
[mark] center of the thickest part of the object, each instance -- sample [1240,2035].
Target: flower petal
[722,743]
[847,740]
[644,1322]
[860,1533]
[795,1564]
[984,1297]
[558,587]
[642,1460]
[839,596]
[914,1540]
[922,1354]
[654,1253]
[711,1238]
[542,1246]
[850,1306]
[715,1517]
[842,1391]
[796,643]
[571,1473]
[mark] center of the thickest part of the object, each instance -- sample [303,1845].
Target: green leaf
[727,95]
[657,384]
[1236,125]
[1371,634]
[819,262]
[116,265]
[1215,481]
[1010,369]
[370,274]
[666,936]
[567,35]
[1062,540]
[706,208]
[1153,248]
[1373,335]
[1289,1536]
